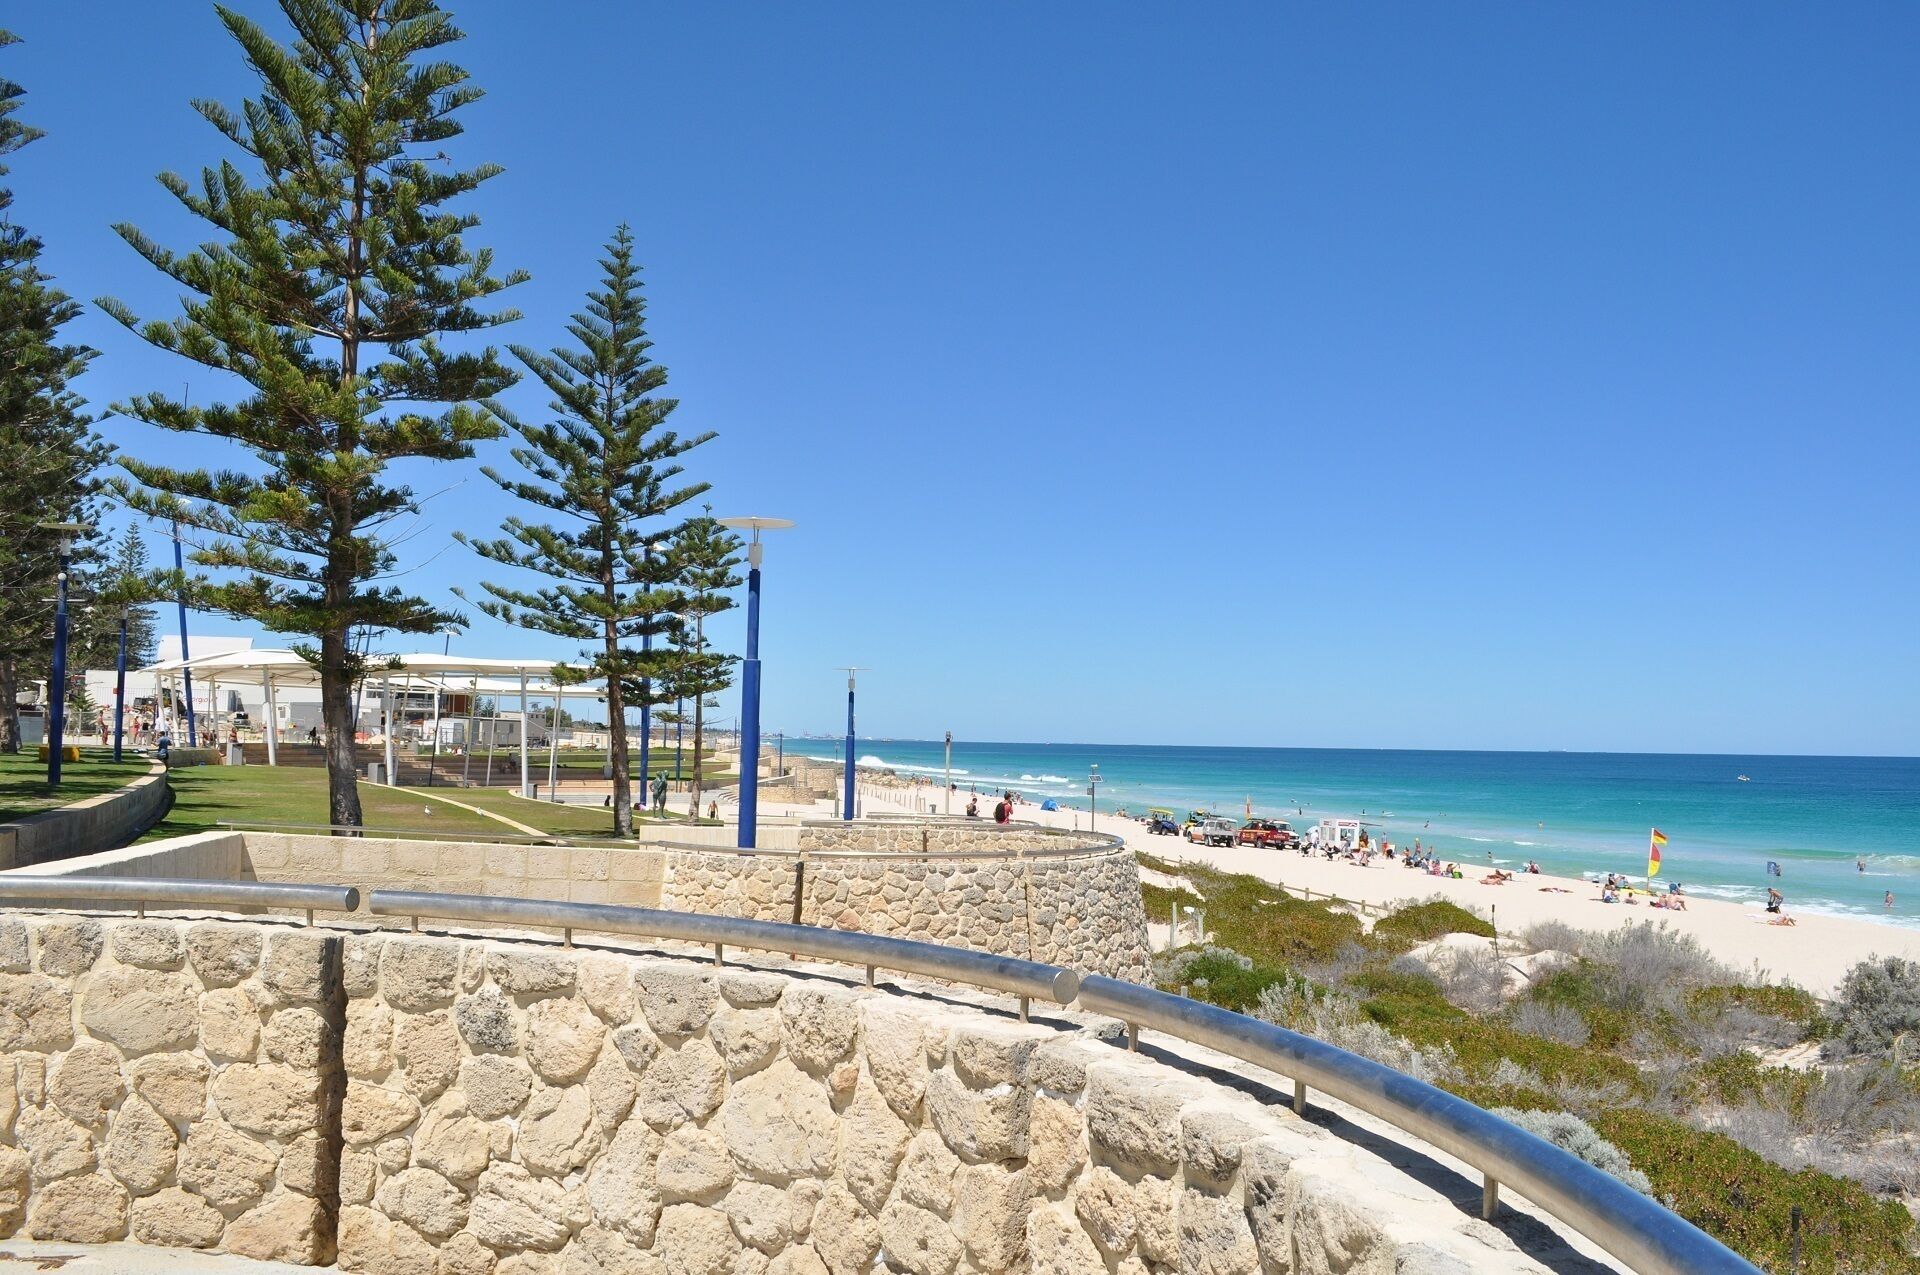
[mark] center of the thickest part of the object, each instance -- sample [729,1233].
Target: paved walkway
[22,1256]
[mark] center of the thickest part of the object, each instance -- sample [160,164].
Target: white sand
[1815,952]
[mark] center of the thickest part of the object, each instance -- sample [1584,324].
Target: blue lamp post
[646,688]
[57,681]
[750,680]
[186,673]
[846,801]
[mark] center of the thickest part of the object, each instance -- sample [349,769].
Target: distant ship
[1743,779]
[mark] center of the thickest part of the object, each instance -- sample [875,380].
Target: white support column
[386,708]
[266,718]
[526,785]
[553,746]
[213,713]
[433,741]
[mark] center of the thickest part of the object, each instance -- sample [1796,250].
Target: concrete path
[23,1256]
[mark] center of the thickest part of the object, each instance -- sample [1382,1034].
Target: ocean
[1844,830]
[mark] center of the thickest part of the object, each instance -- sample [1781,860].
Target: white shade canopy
[423,669]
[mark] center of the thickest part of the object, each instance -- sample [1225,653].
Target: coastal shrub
[1562,1023]
[1416,923]
[1255,917]
[1572,1134]
[1337,1020]
[1879,1000]
[1218,975]
[1852,1122]
[1738,1196]
[1648,964]
[1555,936]
[1777,1000]
[1414,1007]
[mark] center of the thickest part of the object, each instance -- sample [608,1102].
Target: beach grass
[23,780]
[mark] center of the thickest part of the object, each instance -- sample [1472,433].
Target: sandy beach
[1815,952]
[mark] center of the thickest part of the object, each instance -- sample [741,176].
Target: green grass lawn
[23,780]
[206,796]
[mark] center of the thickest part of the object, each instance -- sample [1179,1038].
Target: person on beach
[1888,905]
[1774,899]
[1001,811]
[973,807]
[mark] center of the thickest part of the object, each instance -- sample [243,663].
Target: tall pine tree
[48,452]
[338,268]
[704,556]
[606,463]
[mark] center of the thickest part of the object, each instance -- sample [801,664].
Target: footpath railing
[1637,1230]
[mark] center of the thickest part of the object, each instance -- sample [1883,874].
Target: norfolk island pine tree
[607,463]
[48,451]
[704,556]
[339,270]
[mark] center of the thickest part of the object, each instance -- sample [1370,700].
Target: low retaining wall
[415,1104]
[1079,908]
[86,827]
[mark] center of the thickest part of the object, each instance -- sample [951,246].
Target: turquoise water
[1820,818]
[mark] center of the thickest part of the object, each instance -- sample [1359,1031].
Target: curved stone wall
[1080,909]
[448,1105]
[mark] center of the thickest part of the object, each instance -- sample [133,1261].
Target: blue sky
[1507,376]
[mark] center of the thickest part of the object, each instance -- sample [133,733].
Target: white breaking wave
[880,763]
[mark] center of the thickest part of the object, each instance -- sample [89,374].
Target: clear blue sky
[1505,375]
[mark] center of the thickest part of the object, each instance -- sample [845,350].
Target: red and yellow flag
[1654,843]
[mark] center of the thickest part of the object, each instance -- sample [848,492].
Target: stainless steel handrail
[179,892]
[1026,979]
[1639,1231]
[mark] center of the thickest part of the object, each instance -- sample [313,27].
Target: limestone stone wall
[1081,910]
[451,1106]
[172,1083]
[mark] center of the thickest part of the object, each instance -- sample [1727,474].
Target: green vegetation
[1747,1202]
[1639,1052]
[207,796]
[23,780]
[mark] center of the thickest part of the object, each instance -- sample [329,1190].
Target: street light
[57,683]
[846,810]
[750,680]
[1093,779]
[946,797]
[646,687]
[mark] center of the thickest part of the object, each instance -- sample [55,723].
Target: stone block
[81,1210]
[68,947]
[86,1082]
[173,1218]
[779,1126]
[152,944]
[268,1098]
[301,965]
[223,954]
[563,1039]
[419,974]
[677,1000]
[495,1086]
